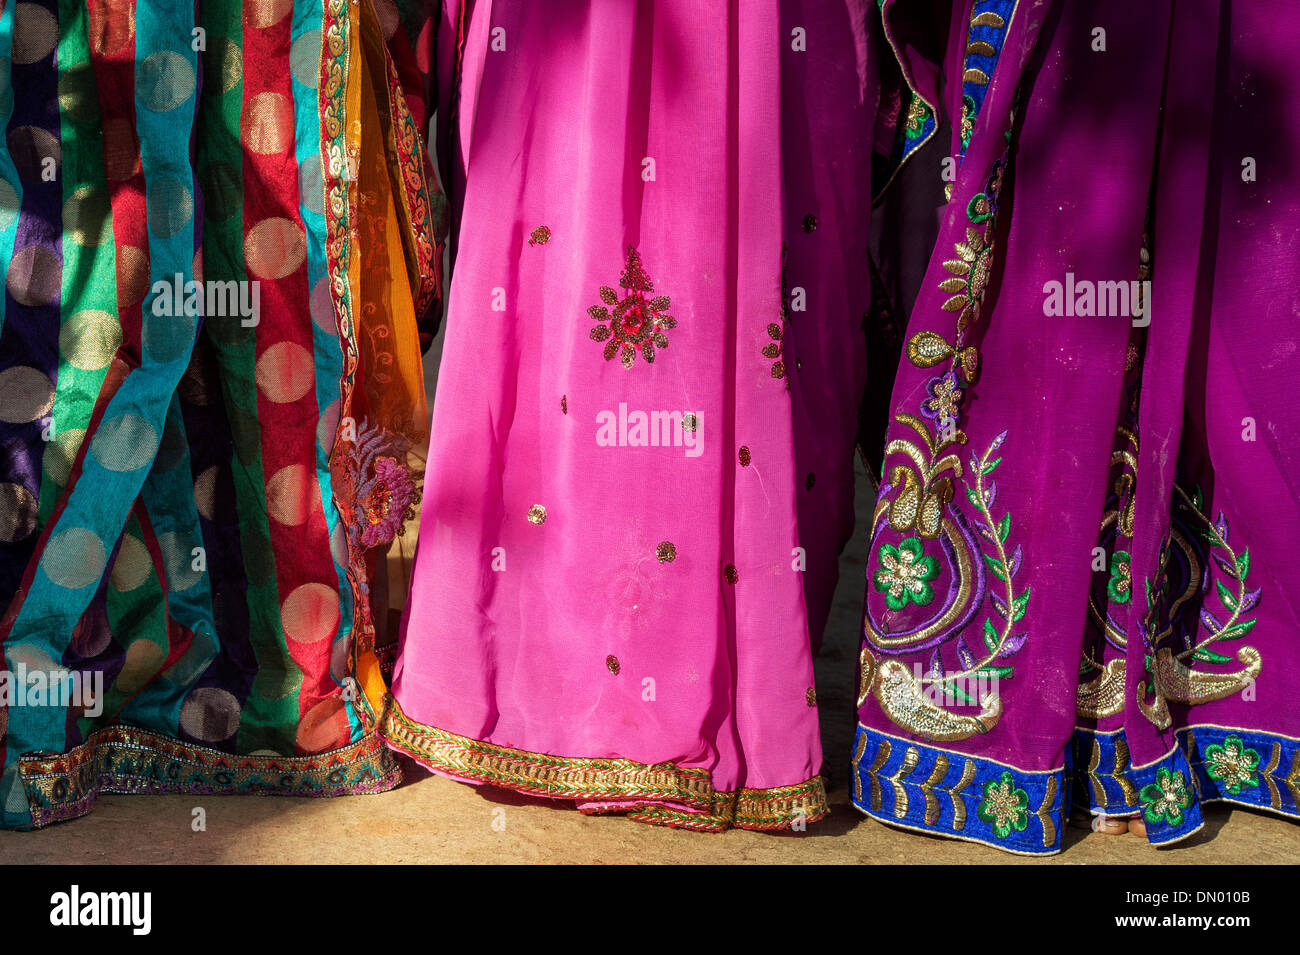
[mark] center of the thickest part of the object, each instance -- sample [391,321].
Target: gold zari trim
[600,779]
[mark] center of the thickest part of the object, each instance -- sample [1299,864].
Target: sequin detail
[637,323]
[612,664]
[540,236]
[537,514]
[605,779]
[744,456]
[730,574]
[666,552]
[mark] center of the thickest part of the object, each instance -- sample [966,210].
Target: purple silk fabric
[1101,537]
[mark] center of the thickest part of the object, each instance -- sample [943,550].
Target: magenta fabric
[658,208]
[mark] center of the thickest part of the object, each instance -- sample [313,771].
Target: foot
[1137,827]
[1110,825]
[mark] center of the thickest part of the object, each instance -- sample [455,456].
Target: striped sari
[218,230]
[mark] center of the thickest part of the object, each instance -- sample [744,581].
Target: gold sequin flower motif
[634,324]
[1004,806]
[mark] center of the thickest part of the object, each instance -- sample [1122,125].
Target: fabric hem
[1265,768]
[924,788]
[696,804]
[129,760]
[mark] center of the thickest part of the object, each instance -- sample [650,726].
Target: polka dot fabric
[199,442]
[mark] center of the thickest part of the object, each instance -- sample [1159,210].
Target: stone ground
[431,819]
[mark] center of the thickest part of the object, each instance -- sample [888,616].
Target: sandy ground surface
[431,819]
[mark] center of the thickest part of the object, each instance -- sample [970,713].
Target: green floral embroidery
[1120,586]
[905,574]
[918,114]
[967,120]
[1004,807]
[1234,764]
[1165,799]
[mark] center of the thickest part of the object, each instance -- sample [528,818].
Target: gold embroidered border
[602,778]
[758,809]
[540,774]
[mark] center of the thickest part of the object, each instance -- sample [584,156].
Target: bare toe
[1110,825]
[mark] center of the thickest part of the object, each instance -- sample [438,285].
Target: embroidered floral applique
[382,486]
[1005,806]
[944,399]
[634,324]
[905,574]
[967,120]
[917,115]
[970,270]
[973,554]
[1120,587]
[1184,655]
[1234,764]
[1165,799]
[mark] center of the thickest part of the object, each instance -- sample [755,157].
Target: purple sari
[1080,583]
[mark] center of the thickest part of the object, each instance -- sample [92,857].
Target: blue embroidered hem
[1223,764]
[917,786]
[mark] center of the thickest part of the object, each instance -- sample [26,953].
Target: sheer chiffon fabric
[640,469]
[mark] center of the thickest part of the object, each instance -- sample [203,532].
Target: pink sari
[640,473]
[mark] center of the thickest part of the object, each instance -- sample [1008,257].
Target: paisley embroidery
[1181,633]
[966,559]
[636,324]
[971,555]
[1101,681]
